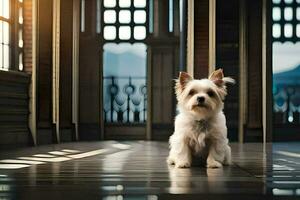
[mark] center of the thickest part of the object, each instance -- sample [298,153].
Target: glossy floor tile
[137,170]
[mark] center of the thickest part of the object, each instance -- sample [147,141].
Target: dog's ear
[182,81]
[218,78]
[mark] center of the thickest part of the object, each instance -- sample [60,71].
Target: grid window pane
[109,16]
[109,32]
[4,8]
[20,16]
[5,32]
[298,30]
[139,16]
[298,13]
[5,56]
[276,14]
[124,32]
[139,32]
[288,1]
[124,16]
[288,13]
[139,3]
[109,3]
[276,1]
[20,61]
[124,3]
[20,39]
[288,30]
[276,31]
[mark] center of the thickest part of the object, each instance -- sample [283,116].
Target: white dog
[200,126]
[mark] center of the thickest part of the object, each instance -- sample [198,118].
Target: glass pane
[298,13]
[20,39]
[4,8]
[298,30]
[124,32]
[171,15]
[276,31]
[288,1]
[1,55]
[124,3]
[286,85]
[109,32]
[276,13]
[124,16]
[109,3]
[1,32]
[124,83]
[288,13]
[140,3]
[288,30]
[5,32]
[276,1]
[109,16]
[20,61]
[139,32]
[139,16]
[5,56]
[20,16]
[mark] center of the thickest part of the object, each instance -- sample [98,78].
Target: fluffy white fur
[200,126]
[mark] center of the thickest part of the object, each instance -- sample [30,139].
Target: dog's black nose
[200,99]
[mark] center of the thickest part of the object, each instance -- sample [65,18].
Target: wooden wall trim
[190,38]
[33,83]
[212,37]
[243,69]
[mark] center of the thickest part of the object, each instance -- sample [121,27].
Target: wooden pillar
[201,38]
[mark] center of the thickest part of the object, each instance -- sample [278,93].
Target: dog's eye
[210,93]
[192,92]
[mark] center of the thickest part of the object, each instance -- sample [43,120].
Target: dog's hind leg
[227,159]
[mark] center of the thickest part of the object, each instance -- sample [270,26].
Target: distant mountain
[125,64]
[291,77]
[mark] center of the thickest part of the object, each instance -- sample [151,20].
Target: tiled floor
[137,170]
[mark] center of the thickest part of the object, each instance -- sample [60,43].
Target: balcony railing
[125,99]
[287,104]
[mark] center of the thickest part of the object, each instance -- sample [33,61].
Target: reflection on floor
[137,170]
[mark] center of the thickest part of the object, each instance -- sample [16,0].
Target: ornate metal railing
[125,99]
[286,104]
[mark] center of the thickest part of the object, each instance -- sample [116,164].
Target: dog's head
[203,97]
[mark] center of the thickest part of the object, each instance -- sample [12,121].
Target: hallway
[137,170]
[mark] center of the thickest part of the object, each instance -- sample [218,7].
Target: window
[11,35]
[286,67]
[124,20]
[286,20]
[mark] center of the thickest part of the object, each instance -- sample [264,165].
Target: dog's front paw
[170,161]
[213,164]
[183,164]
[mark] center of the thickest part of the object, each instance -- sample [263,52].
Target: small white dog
[200,126]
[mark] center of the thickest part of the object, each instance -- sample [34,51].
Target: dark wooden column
[89,76]
[227,58]
[163,64]
[44,72]
[201,38]
[65,107]
[254,114]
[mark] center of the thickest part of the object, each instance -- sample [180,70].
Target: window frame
[14,28]
[131,24]
[282,21]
